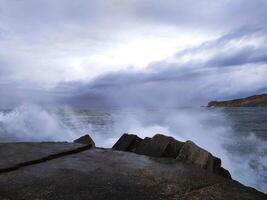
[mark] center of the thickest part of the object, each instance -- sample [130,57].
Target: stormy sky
[131,52]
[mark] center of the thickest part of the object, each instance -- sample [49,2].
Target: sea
[236,135]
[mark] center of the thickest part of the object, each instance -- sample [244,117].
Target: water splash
[32,123]
[244,155]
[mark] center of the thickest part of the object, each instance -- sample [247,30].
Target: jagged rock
[154,147]
[165,146]
[224,173]
[86,139]
[127,142]
[160,146]
[141,147]
[193,154]
[173,148]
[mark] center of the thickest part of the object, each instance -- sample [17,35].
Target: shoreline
[83,171]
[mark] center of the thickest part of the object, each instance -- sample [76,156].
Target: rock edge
[165,146]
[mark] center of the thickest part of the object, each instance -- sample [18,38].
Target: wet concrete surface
[108,174]
[14,155]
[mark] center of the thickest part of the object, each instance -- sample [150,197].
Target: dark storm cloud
[244,56]
[35,34]
[175,84]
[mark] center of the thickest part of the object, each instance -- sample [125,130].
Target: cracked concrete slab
[108,174]
[14,155]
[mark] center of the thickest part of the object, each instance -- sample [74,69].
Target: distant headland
[251,101]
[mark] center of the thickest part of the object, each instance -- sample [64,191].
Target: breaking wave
[244,155]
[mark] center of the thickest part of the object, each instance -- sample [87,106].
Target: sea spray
[244,155]
[30,122]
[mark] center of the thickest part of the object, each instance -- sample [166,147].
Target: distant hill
[252,101]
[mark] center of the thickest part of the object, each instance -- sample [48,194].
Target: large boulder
[127,142]
[224,173]
[86,139]
[154,147]
[159,146]
[165,146]
[141,147]
[173,148]
[193,154]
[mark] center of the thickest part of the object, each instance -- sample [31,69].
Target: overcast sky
[131,52]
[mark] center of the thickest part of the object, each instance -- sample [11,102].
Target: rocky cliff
[252,101]
[167,169]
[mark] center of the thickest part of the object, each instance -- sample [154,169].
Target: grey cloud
[244,56]
[245,32]
[183,85]
[12,95]
[5,68]
[35,33]
[38,17]
[205,14]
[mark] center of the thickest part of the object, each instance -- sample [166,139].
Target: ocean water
[237,135]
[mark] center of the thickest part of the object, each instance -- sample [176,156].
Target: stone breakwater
[152,168]
[163,146]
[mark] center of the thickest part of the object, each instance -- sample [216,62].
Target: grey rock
[224,173]
[165,146]
[173,148]
[86,139]
[193,154]
[156,146]
[141,147]
[159,146]
[127,142]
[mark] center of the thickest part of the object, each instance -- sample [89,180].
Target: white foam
[210,129]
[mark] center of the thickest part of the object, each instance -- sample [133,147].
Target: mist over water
[224,132]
